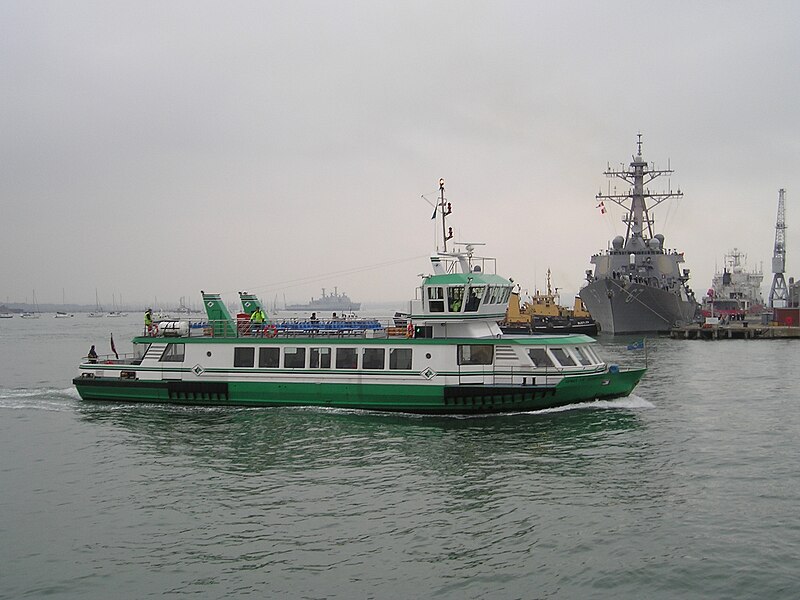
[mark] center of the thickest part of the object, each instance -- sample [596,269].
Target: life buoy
[409,330]
[270,331]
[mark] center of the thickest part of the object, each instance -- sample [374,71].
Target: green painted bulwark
[412,398]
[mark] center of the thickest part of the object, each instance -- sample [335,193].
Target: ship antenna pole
[446,210]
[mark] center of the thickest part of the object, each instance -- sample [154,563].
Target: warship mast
[638,176]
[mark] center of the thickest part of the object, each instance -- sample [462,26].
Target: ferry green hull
[411,398]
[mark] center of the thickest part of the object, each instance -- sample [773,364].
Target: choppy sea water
[687,489]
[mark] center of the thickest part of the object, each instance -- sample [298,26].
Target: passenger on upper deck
[148,321]
[92,356]
[257,319]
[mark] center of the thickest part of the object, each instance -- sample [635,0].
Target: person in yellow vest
[148,321]
[257,321]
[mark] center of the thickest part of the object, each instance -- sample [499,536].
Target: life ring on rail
[409,330]
[270,331]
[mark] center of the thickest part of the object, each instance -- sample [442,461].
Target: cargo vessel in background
[735,291]
[638,285]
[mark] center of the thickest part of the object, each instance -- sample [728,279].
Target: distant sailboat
[32,314]
[115,312]
[60,314]
[98,311]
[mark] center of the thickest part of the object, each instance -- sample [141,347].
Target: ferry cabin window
[475,354]
[540,357]
[455,298]
[294,358]
[583,357]
[269,358]
[319,358]
[474,298]
[173,353]
[562,357]
[423,331]
[593,355]
[373,358]
[495,290]
[400,358]
[139,350]
[435,299]
[346,358]
[244,357]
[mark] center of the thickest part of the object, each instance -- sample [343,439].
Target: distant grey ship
[335,302]
[637,285]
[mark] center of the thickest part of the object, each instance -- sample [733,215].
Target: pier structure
[734,331]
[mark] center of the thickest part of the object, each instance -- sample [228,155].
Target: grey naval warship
[638,285]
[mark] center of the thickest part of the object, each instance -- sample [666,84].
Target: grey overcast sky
[153,149]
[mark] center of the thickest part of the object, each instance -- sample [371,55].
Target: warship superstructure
[334,301]
[638,285]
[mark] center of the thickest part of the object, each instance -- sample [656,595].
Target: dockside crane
[779,293]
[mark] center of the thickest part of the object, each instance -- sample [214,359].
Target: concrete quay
[734,331]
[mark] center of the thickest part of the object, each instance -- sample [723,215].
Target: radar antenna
[635,200]
[779,293]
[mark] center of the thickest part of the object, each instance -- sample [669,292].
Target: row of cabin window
[491,294]
[375,358]
[565,357]
[323,358]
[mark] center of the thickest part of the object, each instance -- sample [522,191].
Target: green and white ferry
[448,357]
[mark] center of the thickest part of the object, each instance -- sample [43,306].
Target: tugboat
[451,358]
[735,292]
[638,285]
[544,314]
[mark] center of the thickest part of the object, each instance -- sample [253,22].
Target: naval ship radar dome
[660,238]
[655,243]
[617,242]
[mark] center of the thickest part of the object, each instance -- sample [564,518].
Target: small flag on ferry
[113,348]
[602,208]
[637,345]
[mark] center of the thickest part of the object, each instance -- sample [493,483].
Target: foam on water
[52,399]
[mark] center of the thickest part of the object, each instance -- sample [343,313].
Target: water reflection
[258,440]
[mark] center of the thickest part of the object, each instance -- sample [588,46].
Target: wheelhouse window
[540,357]
[346,358]
[373,358]
[319,358]
[400,358]
[455,298]
[475,354]
[173,353]
[294,358]
[435,299]
[474,298]
[562,357]
[269,358]
[244,357]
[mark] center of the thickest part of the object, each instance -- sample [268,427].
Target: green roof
[463,278]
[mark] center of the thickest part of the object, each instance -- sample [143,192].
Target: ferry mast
[638,176]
